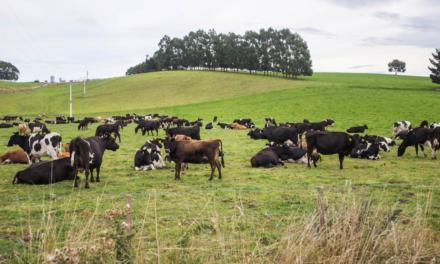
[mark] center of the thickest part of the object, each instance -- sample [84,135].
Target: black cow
[46,172]
[328,143]
[256,134]
[148,126]
[209,126]
[224,125]
[87,154]
[279,135]
[320,126]
[107,130]
[357,129]
[267,158]
[415,137]
[5,125]
[193,132]
[83,124]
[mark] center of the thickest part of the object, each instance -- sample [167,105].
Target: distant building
[61,80]
[52,79]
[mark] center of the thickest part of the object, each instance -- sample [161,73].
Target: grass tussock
[353,231]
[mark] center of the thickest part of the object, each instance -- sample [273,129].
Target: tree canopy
[435,69]
[8,71]
[269,51]
[397,66]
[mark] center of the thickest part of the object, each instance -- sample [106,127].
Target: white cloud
[66,38]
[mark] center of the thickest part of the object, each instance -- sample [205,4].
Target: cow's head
[111,144]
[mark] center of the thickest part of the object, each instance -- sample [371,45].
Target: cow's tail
[222,154]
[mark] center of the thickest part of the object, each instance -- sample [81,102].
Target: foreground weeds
[342,229]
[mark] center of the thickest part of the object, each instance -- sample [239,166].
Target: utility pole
[70,99]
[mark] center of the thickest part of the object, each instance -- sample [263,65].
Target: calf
[357,129]
[87,154]
[107,130]
[37,145]
[16,156]
[193,132]
[328,143]
[196,151]
[46,172]
[415,137]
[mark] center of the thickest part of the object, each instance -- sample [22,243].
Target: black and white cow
[270,121]
[416,137]
[46,172]
[369,149]
[434,125]
[87,154]
[401,127]
[37,145]
[38,127]
[149,157]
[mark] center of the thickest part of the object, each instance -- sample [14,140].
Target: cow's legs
[341,160]
[92,179]
[76,179]
[219,168]
[87,178]
[177,170]
[416,146]
[212,163]
[309,154]
[98,169]
[423,149]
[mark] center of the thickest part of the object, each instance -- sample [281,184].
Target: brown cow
[182,137]
[237,126]
[196,151]
[66,147]
[16,156]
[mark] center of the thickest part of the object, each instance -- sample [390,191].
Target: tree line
[269,51]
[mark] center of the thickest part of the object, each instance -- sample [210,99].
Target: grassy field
[244,216]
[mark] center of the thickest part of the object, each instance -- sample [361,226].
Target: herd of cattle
[301,142]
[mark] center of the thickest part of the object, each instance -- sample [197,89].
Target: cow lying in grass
[16,156]
[195,151]
[148,157]
[46,172]
[278,154]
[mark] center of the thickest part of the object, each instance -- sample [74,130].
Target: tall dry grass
[359,231]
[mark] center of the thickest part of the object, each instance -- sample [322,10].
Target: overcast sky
[66,38]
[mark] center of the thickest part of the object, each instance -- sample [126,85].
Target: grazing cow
[37,127]
[279,135]
[415,137]
[148,157]
[256,134]
[193,132]
[88,153]
[107,130]
[5,125]
[237,126]
[270,121]
[401,126]
[16,156]
[357,129]
[37,145]
[328,143]
[196,151]
[209,126]
[46,172]
[148,126]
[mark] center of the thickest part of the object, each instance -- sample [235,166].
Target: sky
[68,38]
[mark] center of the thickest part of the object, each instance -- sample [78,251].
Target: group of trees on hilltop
[8,71]
[268,50]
